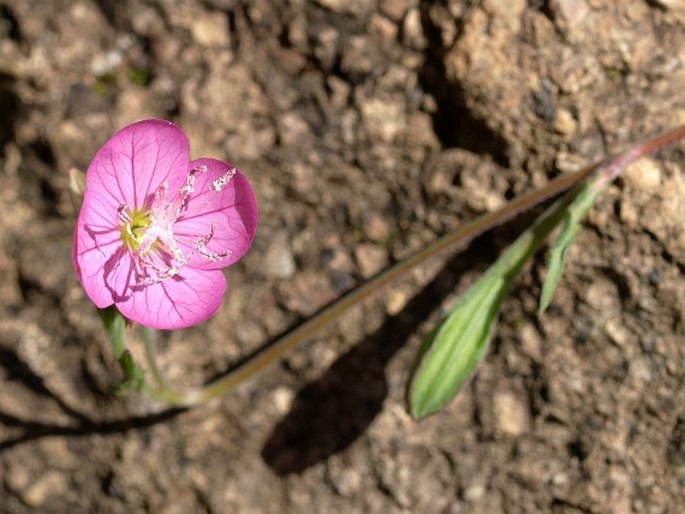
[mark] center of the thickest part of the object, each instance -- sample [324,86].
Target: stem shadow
[32,430]
[82,426]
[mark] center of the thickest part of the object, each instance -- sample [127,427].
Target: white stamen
[201,245]
[158,255]
[222,181]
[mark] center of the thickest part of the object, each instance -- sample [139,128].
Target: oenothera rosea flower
[155,228]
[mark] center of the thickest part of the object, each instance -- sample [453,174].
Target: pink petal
[96,241]
[120,276]
[186,299]
[133,163]
[233,208]
[128,170]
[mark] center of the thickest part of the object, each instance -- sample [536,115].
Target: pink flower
[155,228]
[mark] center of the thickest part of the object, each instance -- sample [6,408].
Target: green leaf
[454,351]
[134,377]
[586,197]
[115,326]
[451,353]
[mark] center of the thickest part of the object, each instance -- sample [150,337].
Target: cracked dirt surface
[368,129]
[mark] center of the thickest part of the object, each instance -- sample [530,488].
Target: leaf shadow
[329,414]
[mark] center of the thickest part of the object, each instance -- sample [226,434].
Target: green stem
[460,236]
[150,344]
[160,390]
[466,232]
[169,396]
[115,326]
[616,165]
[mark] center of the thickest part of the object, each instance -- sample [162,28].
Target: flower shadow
[80,425]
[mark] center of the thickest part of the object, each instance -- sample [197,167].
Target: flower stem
[608,167]
[150,344]
[115,326]
[160,390]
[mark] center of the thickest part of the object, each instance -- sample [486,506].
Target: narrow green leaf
[454,351]
[134,377]
[115,326]
[575,214]
[451,354]
[606,173]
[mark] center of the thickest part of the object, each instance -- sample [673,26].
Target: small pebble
[371,259]
[643,175]
[413,30]
[279,259]
[211,29]
[376,228]
[282,399]
[511,414]
[50,484]
[396,300]
[564,122]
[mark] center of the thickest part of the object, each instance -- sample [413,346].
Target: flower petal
[186,299]
[231,206]
[216,226]
[135,161]
[96,241]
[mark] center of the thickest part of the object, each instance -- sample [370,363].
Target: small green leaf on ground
[452,353]
[571,228]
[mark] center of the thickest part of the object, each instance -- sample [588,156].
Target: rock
[279,261]
[569,13]
[382,26]
[412,30]
[48,485]
[376,227]
[511,414]
[282,399]
[564,123]
[644,175]
[326,49]
[309,293]
[371,259]
[210,28]
[346,479]
[395,9]
[396,299]
[383,118]
[292,128]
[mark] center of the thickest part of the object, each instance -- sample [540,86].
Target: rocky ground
[368,129]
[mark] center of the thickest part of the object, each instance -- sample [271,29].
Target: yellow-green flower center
[132,231]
